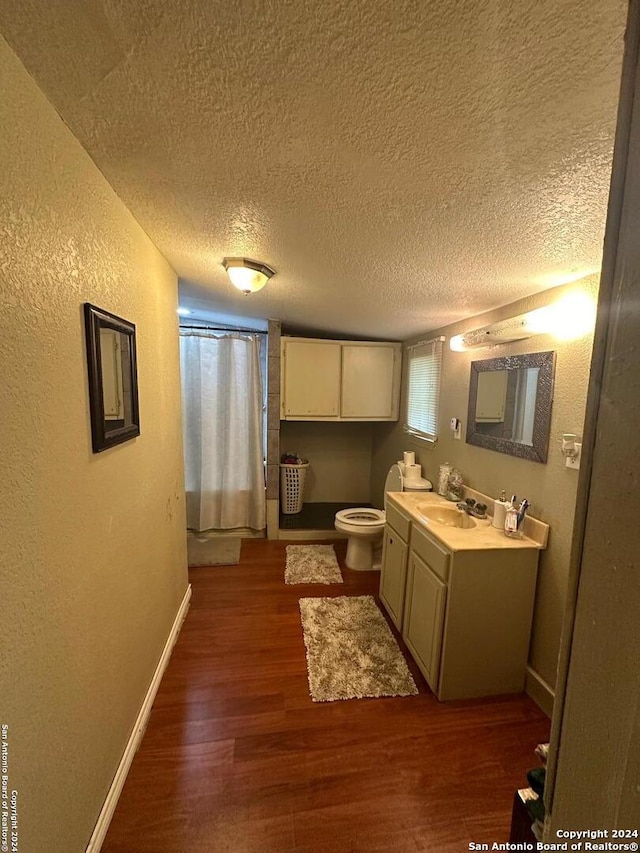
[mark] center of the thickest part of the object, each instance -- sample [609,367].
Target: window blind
[423,388]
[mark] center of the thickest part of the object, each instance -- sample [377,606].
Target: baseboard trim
[111,801]
[541,692]
[309,535]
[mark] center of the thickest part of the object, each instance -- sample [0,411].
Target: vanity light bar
[514,329]
[572,316]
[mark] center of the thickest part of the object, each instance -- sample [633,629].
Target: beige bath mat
[312,564]
[351,652]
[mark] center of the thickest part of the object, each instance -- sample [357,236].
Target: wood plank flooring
[238,759]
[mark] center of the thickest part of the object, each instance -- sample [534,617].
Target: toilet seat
[361,516]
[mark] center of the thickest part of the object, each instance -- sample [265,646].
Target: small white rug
[312,564]
[351,652]
[209,549]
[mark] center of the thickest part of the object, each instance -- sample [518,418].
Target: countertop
[482,537]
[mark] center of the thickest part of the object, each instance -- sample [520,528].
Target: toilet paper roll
[409,457]
[499,513]
[412,472]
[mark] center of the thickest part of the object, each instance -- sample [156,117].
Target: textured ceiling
[401,165]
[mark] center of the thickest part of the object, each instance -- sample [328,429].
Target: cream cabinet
[393,573]
[465,615]
[339,380]
[311,386]
[424,618]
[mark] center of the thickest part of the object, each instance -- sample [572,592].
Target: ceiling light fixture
[247,275]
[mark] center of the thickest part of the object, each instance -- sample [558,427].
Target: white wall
[92,551]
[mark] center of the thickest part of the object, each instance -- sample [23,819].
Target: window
[423,388]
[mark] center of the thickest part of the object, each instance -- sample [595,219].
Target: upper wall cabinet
[339,380]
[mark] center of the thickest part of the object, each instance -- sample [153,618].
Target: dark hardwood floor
[238,758]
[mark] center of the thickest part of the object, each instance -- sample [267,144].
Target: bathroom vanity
[462,596]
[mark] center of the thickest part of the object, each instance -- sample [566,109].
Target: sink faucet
[477,510]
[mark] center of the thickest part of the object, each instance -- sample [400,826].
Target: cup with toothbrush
[514,518]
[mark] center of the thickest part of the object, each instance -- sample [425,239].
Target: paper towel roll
[499,513]
[412,472]
[409,457]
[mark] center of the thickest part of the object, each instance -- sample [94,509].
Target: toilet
[364,525]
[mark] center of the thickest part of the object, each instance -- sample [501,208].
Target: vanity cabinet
[424,618]
[339,380]
[393,573]
[465,613]
[425,602]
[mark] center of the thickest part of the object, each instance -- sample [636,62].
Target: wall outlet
[574,461]
[456,427]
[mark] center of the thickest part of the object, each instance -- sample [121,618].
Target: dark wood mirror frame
[102,435]
[537,451]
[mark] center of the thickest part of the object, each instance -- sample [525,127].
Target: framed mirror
[113,378]
[510,404]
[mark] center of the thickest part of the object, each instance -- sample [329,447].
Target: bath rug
[312,564]
[351,652]
[210,549]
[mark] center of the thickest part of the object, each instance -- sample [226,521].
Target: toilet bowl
[364,525]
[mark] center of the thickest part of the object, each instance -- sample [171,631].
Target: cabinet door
[424,618]
[311,373]
[393,575]
[368,386]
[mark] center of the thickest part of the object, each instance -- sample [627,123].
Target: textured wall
[340,457]
[551,488]
[92,546]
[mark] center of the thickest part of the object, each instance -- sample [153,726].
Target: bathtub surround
[351,652]
[93,550]
[211,549]
[312,564]
[550,487]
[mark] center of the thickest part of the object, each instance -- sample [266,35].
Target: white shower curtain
[223,437]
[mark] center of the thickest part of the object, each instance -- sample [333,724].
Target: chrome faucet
[477,510]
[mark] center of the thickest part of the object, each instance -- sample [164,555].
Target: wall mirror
[113,379]
[510,404]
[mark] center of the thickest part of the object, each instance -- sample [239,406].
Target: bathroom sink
[449,516]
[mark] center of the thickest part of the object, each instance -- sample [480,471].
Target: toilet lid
[362,516]
[394,482]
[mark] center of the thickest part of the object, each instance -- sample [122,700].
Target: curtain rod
[224,329]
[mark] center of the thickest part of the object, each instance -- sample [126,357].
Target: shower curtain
[222,408]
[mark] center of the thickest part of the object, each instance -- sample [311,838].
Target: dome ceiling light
[247,275]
